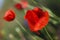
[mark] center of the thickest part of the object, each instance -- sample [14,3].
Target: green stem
[24,29]
[34,1]
[48,34]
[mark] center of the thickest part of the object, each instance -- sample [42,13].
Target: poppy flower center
[39,12]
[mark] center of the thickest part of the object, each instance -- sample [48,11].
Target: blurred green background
[14,30]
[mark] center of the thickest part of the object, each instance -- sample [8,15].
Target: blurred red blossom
[24,4]
[18,6]
[9,15]
[21,5]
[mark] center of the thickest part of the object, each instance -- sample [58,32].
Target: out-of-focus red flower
[24,4]
[18,6]
[37,19]
[9,15]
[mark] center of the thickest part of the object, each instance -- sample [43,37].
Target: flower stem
[34,1]
[24,29]
[48,34]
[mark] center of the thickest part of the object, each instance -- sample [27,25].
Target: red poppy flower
[37,19]
[9,15]
[18,6]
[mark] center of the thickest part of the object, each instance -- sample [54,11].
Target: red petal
[42,22]
[31,17]
[39,12]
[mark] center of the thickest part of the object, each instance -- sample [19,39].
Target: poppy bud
[37,19]
[9,15]
[18,6]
